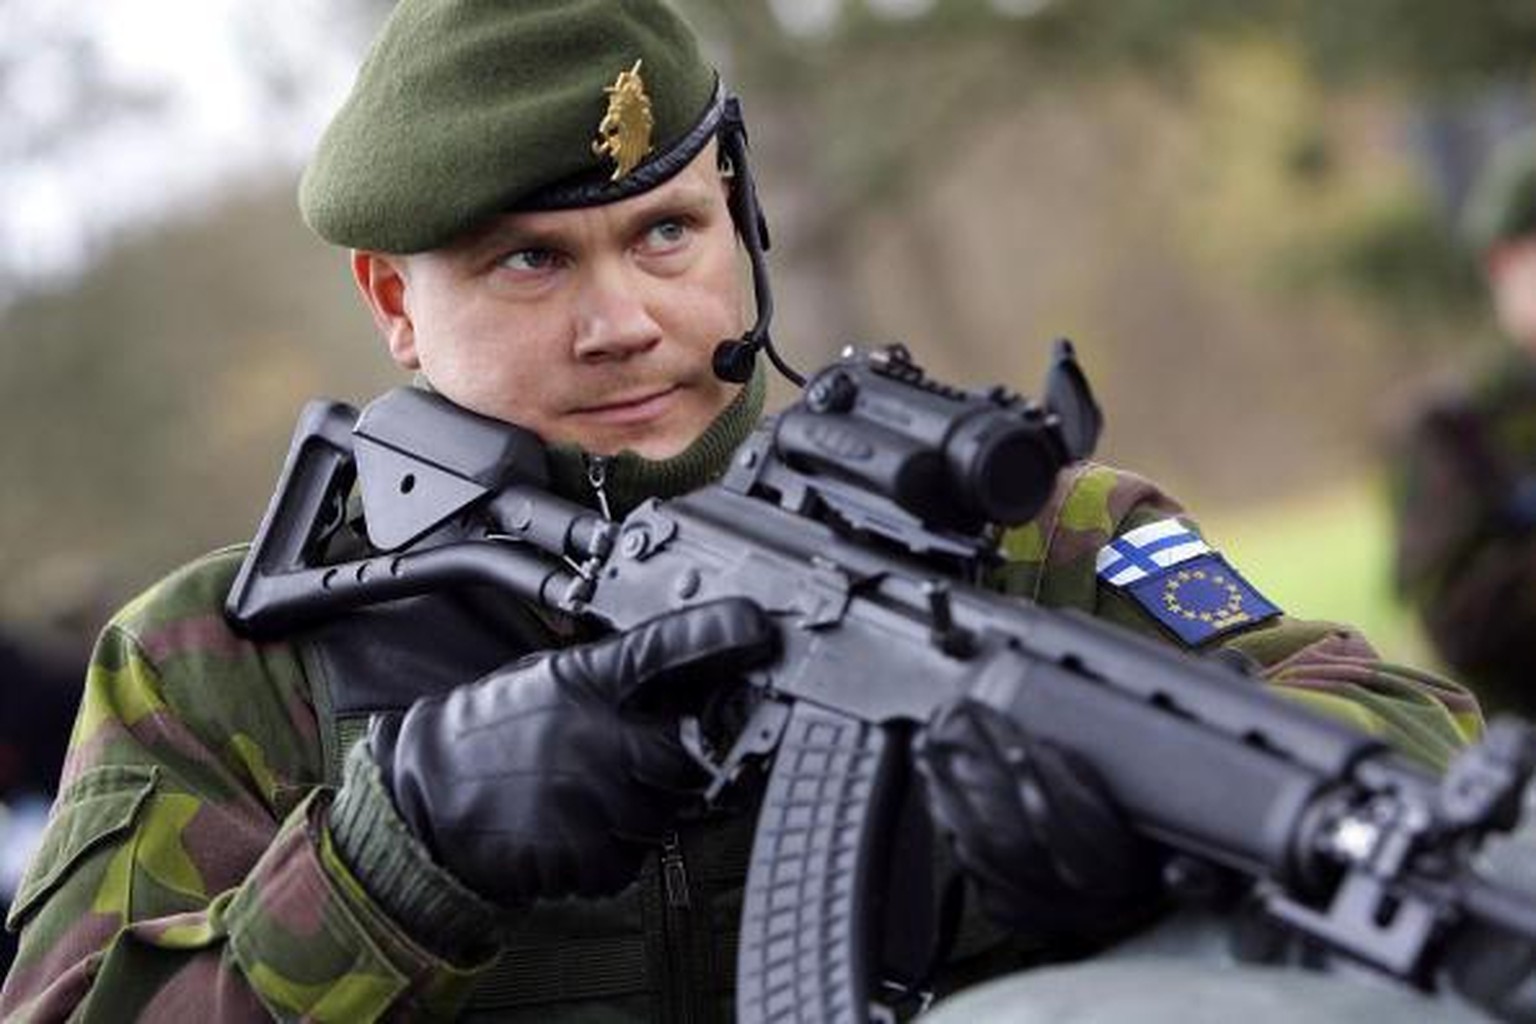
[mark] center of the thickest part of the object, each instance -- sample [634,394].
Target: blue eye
[530,261]
[666,234]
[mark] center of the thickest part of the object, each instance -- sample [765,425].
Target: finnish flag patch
[1147,551]
[1186,587]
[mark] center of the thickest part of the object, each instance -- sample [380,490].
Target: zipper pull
[597,476]
[674,873]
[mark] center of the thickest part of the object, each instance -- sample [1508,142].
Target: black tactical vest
[665,948]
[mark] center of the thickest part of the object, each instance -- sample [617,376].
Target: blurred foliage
[147,406]
[1409,261]
[868,137]
[1437,44]
[1426,43]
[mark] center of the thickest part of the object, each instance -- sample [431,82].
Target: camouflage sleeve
[1054,561]
[1470,576]
[186,872]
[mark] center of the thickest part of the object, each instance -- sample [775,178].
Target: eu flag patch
[1201,598]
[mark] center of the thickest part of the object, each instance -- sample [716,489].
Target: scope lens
[1005,467]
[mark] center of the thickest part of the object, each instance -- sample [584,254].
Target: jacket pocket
[96,808]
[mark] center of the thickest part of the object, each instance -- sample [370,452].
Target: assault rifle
[865,519]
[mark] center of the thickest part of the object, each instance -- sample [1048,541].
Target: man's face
[592,326]
[1511,267]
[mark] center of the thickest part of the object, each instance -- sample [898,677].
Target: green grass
[1325,555]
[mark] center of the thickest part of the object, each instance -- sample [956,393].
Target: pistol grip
[810,907]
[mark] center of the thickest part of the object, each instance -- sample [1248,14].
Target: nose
[612,321]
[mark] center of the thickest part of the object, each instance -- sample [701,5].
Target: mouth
[638,408]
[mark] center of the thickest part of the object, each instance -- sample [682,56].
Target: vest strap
[572,970]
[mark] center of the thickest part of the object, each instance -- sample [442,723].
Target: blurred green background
[1243,213]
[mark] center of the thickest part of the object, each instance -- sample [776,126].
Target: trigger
[759,739]
[691,735]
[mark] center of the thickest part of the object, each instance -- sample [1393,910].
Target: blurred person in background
[445,806]
[1465,470]
[39,691]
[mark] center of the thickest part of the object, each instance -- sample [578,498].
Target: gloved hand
[545,779]
[1032,825]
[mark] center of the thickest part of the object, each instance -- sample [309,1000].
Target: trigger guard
[696,744]
[760,738]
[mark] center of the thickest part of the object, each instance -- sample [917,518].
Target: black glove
[546,779]
[1031,824]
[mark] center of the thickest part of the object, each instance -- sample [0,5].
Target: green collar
[628,479]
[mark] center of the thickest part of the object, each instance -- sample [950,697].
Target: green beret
[467,108]
[1502,204]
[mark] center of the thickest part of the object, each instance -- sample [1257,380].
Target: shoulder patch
[1187,588]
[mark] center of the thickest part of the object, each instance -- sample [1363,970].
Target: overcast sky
[75,169]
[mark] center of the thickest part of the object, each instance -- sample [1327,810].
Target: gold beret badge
[624,133]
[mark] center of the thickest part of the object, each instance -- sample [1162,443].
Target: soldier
[38,690]
[1465,485]
[542,202]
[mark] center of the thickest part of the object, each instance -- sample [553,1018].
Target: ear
[381,278]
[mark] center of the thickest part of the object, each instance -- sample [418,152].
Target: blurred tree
[53,85]
[53,80]
[149,406]
[115,118]
[872,97]
[1430,44]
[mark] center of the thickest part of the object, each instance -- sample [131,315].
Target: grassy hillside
[1326,555]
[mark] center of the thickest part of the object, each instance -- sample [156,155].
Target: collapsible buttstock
[811,892]
[316,474]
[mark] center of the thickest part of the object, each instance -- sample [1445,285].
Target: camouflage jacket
[1465,511]
[188,870]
